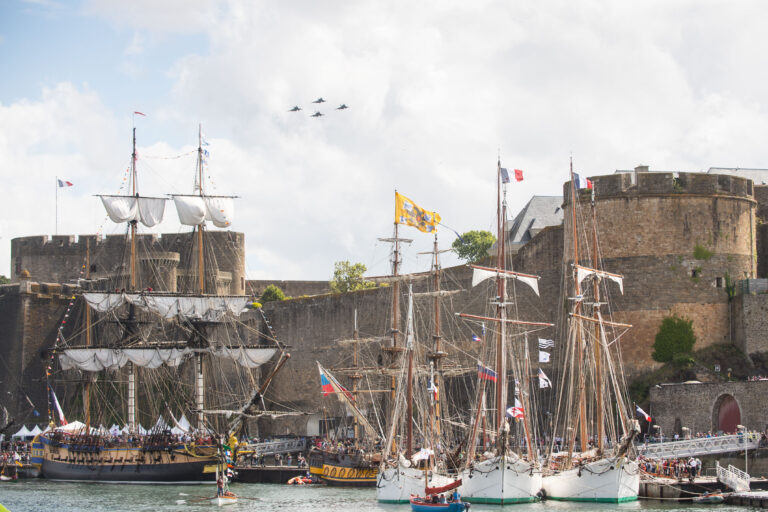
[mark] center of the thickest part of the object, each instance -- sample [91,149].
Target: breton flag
[475,337]
[544,381]
[55,402]
[516,411]
[486,373]
[543,356]
[409,213]
[545,344]
[581,182]
[64,183]
[643,413]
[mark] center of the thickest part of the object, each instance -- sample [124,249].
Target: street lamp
[743,430]
[686,433]
[660,434]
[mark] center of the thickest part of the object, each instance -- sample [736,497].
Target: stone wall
[62,259]
[696,405]
[750,322]
[32,313]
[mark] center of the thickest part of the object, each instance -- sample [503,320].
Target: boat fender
[542,494]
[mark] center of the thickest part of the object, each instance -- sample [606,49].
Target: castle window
[718,282]
[695,272]
[93,268]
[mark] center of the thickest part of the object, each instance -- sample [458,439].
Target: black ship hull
[343,470]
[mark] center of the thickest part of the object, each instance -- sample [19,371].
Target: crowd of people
[671,468]
[14,451]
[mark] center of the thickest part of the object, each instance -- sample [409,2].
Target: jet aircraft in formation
[319,100]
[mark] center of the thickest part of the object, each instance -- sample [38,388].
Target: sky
[437,90]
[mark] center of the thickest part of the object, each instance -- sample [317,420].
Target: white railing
[733,477]
[699,446]
[279,446]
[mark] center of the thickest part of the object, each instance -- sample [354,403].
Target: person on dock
[220,486]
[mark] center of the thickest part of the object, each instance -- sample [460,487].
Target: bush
[675,337]
[272,293]
[348,277]
[473,246]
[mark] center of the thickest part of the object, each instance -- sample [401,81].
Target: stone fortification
[290,288]
[677,239]
[165,262]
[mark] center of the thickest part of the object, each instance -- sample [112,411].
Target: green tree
[674,340]
[272,293]
[473,245]
[348,277]
[4,280]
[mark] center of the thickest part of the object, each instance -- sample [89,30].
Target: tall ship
[136,355]
[495,470]
[591,457]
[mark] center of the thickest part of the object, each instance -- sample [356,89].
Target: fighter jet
[295,109]
[342,106]
[316,114]
[319,100]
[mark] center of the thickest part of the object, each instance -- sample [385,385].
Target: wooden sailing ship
[129,332]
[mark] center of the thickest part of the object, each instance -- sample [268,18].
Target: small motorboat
[421,504]
[711,498]
[227,499]
[300,480]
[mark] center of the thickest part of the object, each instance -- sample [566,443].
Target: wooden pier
[685,490]
[268,474]
[756,499]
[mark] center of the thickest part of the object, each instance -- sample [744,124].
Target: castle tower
[678,238]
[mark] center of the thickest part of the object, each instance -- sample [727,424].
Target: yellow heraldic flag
[410,214]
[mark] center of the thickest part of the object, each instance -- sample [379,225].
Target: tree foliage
[348,277]
[4,280]
[674,339]
[272,293]
[473,245]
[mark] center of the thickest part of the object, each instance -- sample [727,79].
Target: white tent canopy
[23,432]
[35,431]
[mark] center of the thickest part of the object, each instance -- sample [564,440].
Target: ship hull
[604,480]
[343,470]
[397,484]
[501,482]
[125,465]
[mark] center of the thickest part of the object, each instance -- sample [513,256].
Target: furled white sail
[585,272]
[191,209]
[246,356]
[479,275]
[220,210]
[208,308]
[98,359]
[147,210]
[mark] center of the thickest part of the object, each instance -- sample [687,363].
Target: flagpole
[56,187]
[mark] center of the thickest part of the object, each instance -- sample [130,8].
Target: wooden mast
[579,342]
[598,334]
[409,386]
[501,312]
[199,367]
[355,377]
[87,390]
[132,281]
[437,353]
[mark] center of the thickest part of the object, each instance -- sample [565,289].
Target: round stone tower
[679,240]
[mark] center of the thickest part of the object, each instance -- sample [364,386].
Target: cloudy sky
[437,89]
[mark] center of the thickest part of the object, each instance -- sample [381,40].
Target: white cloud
[436,91]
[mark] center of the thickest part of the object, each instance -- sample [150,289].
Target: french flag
[643,413]
[486,373]
[475,337]
[64,183]
[582,182]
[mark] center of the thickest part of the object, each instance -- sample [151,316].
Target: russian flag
[326,385]
[486,373]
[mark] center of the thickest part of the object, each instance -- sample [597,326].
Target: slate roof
[540,212]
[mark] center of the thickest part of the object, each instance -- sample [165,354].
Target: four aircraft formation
[318,113]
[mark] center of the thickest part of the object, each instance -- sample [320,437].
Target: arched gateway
[726,414]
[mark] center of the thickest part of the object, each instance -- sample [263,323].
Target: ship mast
[579,341]
[199,366]
[501,312]
[598,334]
[132,281]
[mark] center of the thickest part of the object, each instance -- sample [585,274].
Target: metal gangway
[699,446]
[278,446]
[733,477]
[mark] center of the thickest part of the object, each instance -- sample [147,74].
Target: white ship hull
[516,481]
[605,480]
[396,484]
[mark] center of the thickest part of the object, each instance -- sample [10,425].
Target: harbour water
[43,496]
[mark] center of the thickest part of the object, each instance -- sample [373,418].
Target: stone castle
[680,239]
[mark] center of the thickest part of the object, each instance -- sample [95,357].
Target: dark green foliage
[4,280]
[473,245]
[348,277]
[675,336]
[701,253]
[272,293]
